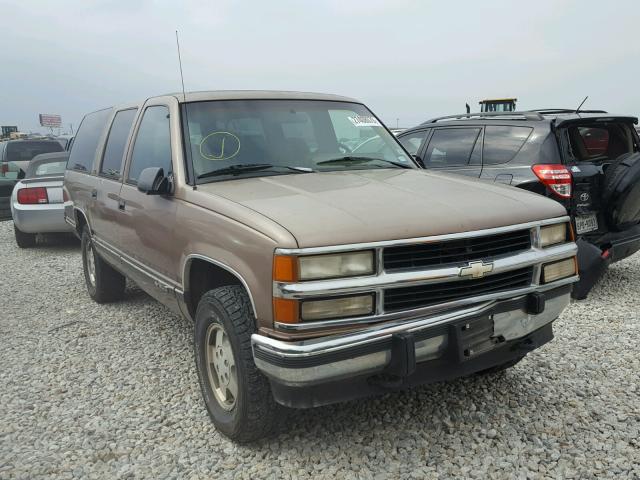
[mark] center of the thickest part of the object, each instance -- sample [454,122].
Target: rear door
[455,150]
[501,145]
[106,203]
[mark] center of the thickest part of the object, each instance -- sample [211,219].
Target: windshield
[276,137]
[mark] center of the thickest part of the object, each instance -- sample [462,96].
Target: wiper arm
[358,160]
[251,167]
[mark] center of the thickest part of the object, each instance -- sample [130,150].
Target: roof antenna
[585,99]
[184,96]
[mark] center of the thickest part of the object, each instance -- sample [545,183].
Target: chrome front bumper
[368,352]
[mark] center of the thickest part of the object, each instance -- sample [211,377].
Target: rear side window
[502,143]
[413,141]
[27,149]
[116,143]
[451,147]
[152,147]
[86,141]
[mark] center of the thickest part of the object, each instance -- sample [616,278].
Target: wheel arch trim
[196,256]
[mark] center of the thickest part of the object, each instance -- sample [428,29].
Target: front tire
[104,283]
[24,239]
[237,395]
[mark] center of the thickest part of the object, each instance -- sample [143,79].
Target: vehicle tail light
[65,195]
[556,177]
[31,196]
[4,168]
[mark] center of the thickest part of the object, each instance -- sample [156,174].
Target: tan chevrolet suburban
[317,262]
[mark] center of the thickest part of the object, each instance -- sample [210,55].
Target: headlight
[558,270]
[552,234]
[318,267]
[337,308]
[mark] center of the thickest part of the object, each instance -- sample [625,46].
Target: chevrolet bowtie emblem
[476,269]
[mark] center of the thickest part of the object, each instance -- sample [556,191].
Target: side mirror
[418,160]
[153,182]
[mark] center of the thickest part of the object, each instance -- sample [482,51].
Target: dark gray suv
[586,160]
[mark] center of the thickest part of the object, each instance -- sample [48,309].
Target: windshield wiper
[252,167]
[359,160]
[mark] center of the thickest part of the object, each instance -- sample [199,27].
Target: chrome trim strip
[436,238]
[315,346]
[151,273]
[244,283]
[352,285]
[407,315]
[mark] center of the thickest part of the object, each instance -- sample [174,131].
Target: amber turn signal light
[285,268]
[286,310]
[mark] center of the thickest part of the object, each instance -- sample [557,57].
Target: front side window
[413,141]
[502,143]
[116,143]
[236,138]
[86,141]
[152,147]
[452,147]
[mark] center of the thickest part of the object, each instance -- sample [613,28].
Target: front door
[147,221]
[455,150]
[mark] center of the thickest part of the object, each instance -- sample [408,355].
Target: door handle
[121,205]
[94,193]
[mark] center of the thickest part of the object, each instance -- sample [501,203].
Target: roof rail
[527,115]
[555,111]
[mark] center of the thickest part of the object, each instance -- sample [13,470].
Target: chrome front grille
[407,298]
[457,251]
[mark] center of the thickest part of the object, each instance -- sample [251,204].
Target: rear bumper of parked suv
[409,352]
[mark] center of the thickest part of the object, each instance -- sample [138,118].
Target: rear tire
[104,283]
[24,239]
[237,395]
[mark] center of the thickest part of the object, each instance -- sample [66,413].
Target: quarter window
[116,143]
[451,147]
[413,141]
[86,141]
[152,147]
[502,143]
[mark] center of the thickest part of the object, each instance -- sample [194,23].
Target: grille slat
[426,295]
[455,251]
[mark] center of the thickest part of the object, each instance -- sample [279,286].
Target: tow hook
[402,364]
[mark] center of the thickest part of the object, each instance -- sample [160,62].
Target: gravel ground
[90,391]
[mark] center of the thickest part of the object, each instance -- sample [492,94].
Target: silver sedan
[37,204]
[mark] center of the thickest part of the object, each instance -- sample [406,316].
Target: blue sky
[406,60]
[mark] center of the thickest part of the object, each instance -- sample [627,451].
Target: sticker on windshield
[219,146]
[364,121]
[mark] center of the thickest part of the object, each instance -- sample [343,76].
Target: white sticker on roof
[364,121]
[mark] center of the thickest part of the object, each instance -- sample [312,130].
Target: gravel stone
[110,391]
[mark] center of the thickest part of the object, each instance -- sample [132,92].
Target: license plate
[586,223]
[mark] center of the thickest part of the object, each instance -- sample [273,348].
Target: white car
[37,204]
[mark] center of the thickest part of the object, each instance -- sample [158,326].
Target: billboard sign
[52,121]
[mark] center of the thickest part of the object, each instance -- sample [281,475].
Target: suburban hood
[335,208]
